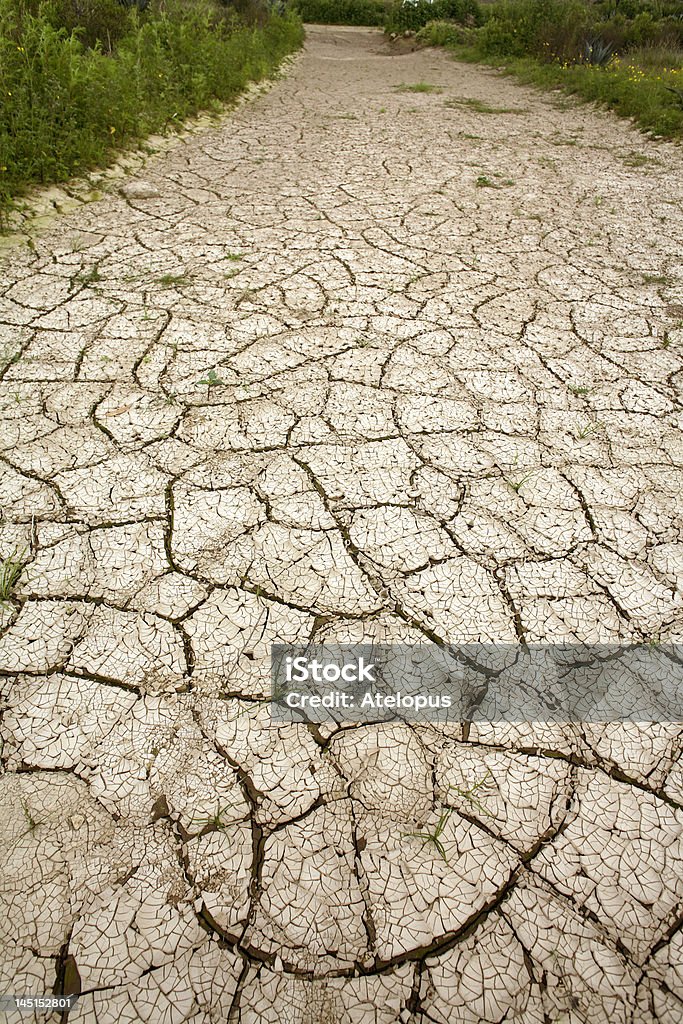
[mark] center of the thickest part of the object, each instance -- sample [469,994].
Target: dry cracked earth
[358,362]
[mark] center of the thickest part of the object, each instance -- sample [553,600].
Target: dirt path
[362,362]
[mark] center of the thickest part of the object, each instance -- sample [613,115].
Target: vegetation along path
[393,352]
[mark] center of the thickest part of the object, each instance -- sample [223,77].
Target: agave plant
[597,51]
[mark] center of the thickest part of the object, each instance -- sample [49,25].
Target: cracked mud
[358,363]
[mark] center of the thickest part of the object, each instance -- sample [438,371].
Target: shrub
[411,15]
[342,12]
[442,33]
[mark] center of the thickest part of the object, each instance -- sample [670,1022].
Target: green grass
[434,838]
[173,280]
[66,108]
[11,569]
[418,87]
[342,12]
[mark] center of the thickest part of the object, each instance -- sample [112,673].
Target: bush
[342,12]
[65,107]
[411,15]
[442,33]
[543,28]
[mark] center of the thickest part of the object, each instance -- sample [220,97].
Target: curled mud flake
[163,994]
[311,908]
[374,473]
[619,856]
[310,569]
[378,999]
[212,530]
[42,637]
[484,978]
[133,648]
[127,487]
[221,864]
[387,771]
[519,798]
[457,599]
[399,540]
[427,882]
[133,416]
[556,937]
[50,825]
[112,563]
[231,636]
[22,497]
[51,722]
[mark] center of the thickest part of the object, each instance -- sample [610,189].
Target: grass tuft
[11,569]
[418,87]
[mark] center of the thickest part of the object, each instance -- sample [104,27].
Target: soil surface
[363,361]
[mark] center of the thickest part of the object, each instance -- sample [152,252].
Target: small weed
[484,181]
[234,257]
[434,837]
[212,380]
[468,794]
[590,428]
[214,822]
[633,159]
[173,280]
[30,820]
[580,389]
[88,276]
[663,279]
[517,485]
[418,87]
[11,569]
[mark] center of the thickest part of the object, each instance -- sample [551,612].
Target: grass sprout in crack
[212,380]
[434,838]
[468,794]
[11,569]
[217,822]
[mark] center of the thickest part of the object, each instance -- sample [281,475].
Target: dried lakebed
[362,362]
